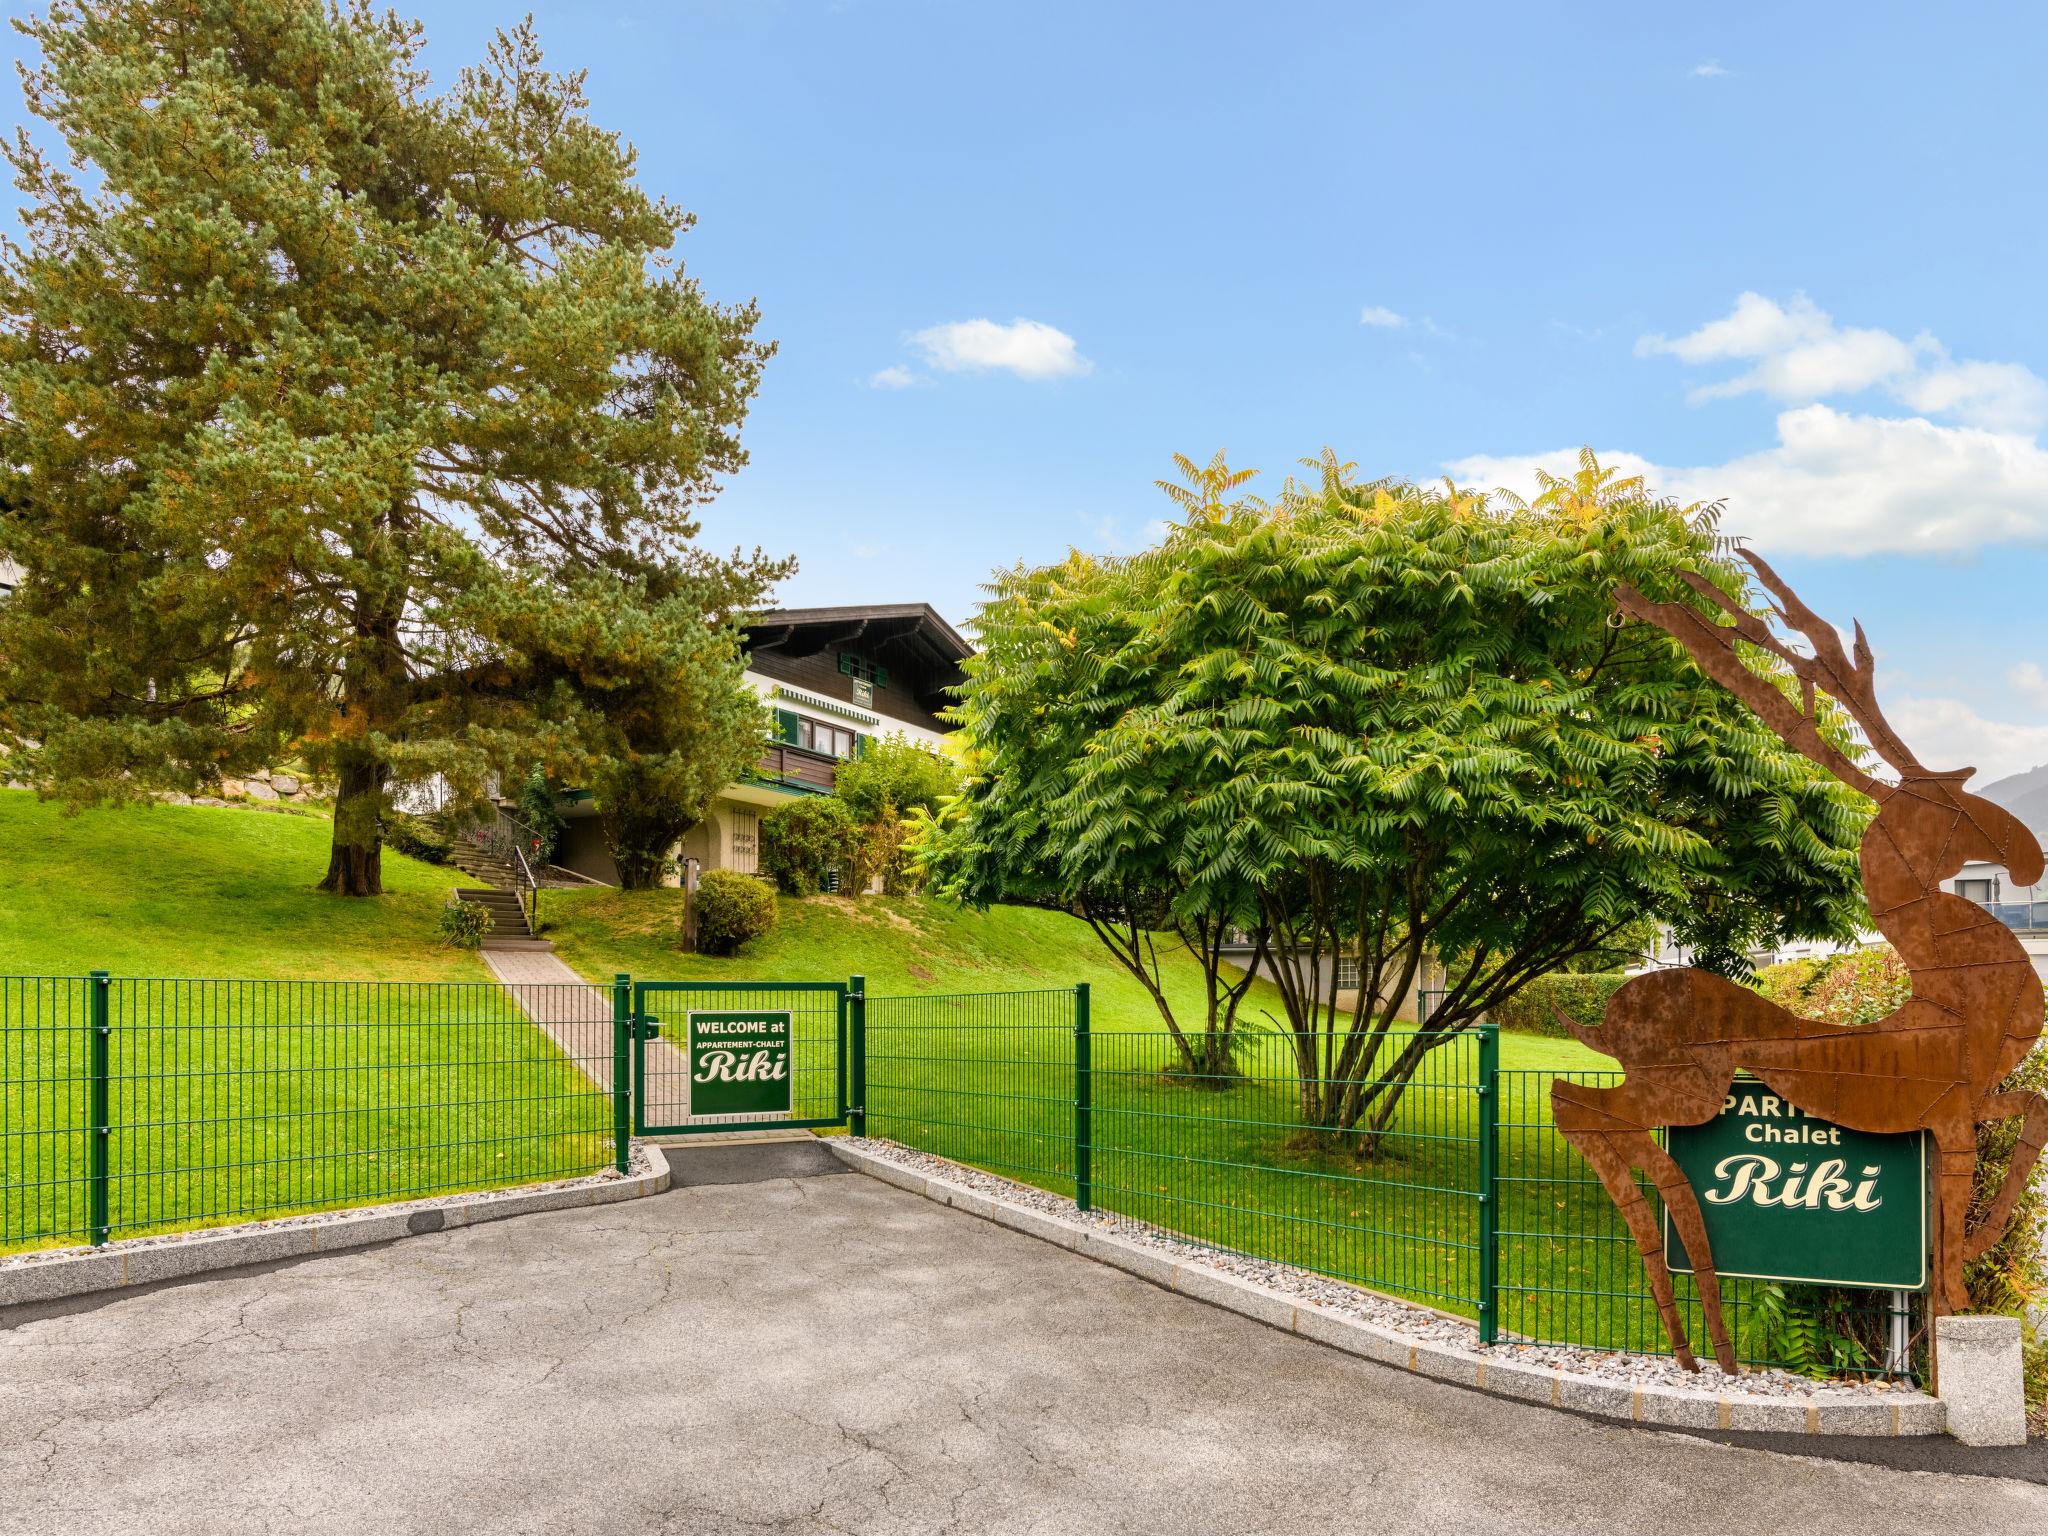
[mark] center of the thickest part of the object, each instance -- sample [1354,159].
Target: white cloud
[2003,396]
[1947,733]
[1843,484]
[2029,682]
[1028,348]
[1800,355]
[1382,317]
[895,376]
[1711,70]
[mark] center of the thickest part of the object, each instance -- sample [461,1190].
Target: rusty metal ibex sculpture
[1935,1064]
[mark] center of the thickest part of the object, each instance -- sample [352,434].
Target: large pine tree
[350,417]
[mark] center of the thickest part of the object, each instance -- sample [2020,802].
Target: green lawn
[352,1058]
[176,890]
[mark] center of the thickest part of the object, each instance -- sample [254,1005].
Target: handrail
[507,838]
[532,888]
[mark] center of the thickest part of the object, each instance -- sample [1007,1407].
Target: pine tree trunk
[355,865]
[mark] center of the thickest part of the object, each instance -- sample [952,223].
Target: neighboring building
[2022,908]
[10,578]
[833,679]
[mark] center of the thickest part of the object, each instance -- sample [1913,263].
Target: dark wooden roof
[890,632]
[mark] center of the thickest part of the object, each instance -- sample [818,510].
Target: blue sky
[1017,255]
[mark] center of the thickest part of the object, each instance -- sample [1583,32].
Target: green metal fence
[1465,1198]
[818,1058]
[983,1079]
[1218,1154]
[134,1105]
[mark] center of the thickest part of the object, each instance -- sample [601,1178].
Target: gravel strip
[1421,1324]
[639,1166]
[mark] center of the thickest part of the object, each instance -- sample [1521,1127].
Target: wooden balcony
[798,767]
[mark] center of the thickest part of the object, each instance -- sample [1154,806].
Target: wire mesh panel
[1368,1178]
[229,1100]
[985,1079]
[45,1085]
[1570,1271]
[816,1064]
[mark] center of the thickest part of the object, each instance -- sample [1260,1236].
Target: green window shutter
[860,745]
[881,677]
[785,726]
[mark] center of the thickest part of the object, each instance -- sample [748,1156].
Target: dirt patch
[920,973]
[869,911]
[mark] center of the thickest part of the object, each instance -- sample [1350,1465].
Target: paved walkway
[813,1354]
[578,1017]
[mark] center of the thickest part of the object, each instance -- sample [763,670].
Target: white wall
[889,725]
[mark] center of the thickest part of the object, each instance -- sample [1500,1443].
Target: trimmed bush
[465,924]
[806,838]
[731,909]
[1533,1010]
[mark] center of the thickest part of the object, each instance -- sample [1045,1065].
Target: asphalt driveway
[810,1354]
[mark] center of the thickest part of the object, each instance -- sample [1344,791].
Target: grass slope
[906,946]
[404,1070]
[176,890]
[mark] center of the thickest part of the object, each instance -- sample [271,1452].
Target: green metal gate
[819,1054]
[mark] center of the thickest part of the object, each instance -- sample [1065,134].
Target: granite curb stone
[1648,1404]
[144,1261]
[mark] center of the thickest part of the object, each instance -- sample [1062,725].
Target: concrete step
[528,946]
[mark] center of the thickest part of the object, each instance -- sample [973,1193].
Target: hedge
[1534,1009]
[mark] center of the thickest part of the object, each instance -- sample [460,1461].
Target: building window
[1347,973]
[746,842]
[820,737]
[1983,892]
[863,670]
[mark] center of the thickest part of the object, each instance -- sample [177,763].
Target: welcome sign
[740,1066]
[1789,1196]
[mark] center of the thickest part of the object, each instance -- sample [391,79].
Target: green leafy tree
[1062,659]
[896,774]
[540,809]
[675,734]
[1400,726]
[802,842]
[347,413]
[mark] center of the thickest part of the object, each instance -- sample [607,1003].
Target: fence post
[622,1075]
[100,1131]
[1084,1097]
[1489,1182]
[857,1054]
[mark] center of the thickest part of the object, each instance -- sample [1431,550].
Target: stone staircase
[509,930]
[483,866]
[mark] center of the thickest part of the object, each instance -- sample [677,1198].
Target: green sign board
[1789,1196]
[739,1065]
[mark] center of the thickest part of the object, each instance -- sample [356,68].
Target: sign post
[1789,1196]
[740,1066]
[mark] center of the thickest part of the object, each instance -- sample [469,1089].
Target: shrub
[731,909]
[1534,1009]
[895,776]
[465,924]
[1852,987]
[417,838]
[804,839]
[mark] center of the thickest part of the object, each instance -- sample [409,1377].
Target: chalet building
[833,680]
